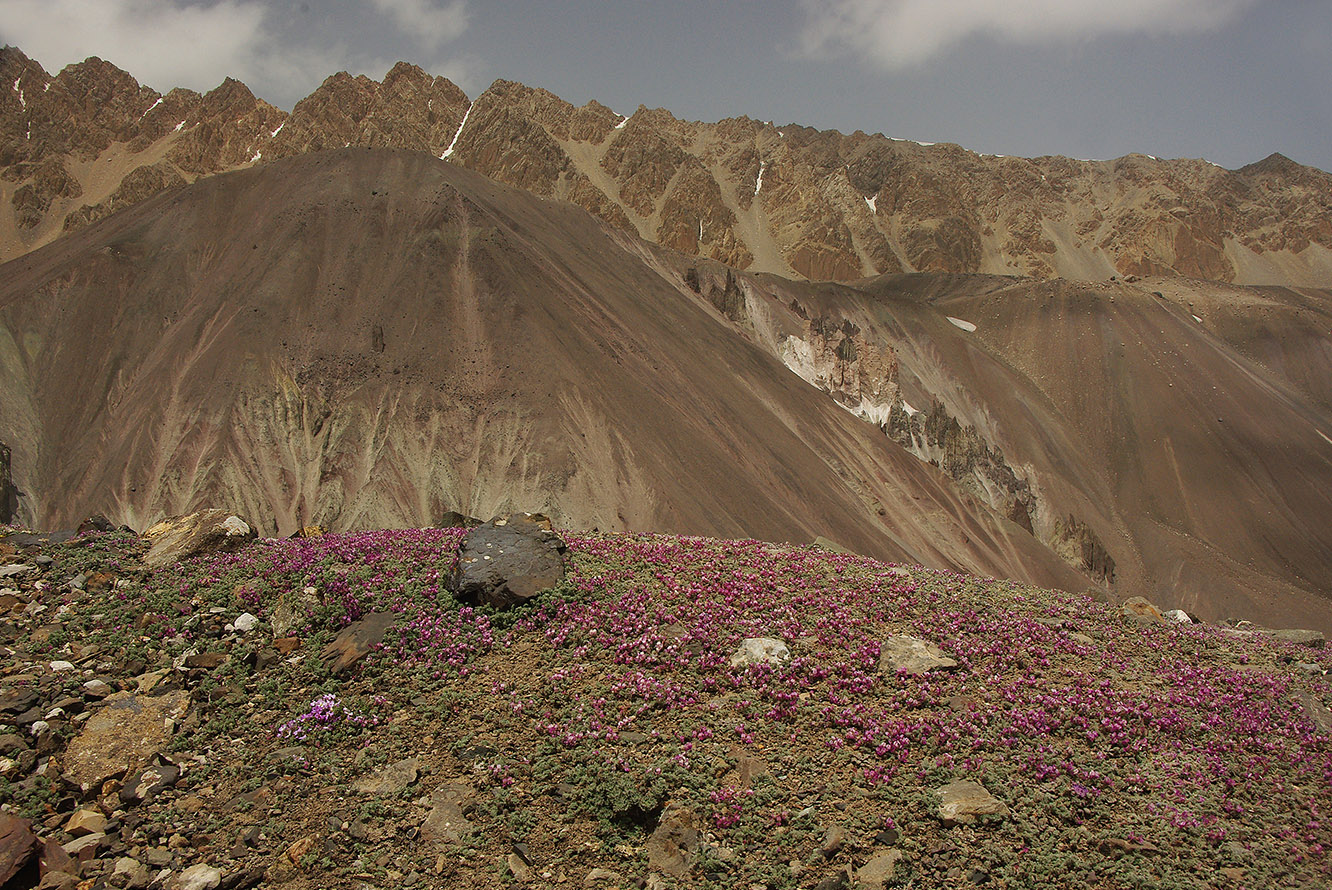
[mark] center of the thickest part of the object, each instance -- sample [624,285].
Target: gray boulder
[207,531]
[507,561]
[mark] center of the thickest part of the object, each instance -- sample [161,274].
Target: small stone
[518,868]
[61,666]
[599,876]
[205,660]
[670,848]
[86,822]
[760,650]
[97,689]
[902,653]
[833,840]
[159,857]
[245,622]
[878,870]
[963,801]
[300,849]
[1311,638]
[392,779]
[130,874]
[85,847]
[355,641]
[1177,615]
[200,877]
[1140,611]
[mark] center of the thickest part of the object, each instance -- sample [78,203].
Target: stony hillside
[784,199]
[678,712]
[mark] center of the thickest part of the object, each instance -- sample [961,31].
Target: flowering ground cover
[599,735]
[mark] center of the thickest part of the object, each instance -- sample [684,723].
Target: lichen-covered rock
[508,561]
[122,736]
[760,650]
[961,802]
[207,531]
[912,655]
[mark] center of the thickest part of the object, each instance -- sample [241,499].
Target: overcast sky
[1228,80]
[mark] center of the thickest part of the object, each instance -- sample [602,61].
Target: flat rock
[963,801]
[17,845]
[85,822]
[1311,638]
[357,640]
[760,650]
[912,655]
[200,877]
[875,873]
[121,736]
[207,531]
[508,561]
[1316,711]
[671,846]
[446,822]
[391,779]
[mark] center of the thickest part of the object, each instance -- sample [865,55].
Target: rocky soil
[321,711]
[784,199]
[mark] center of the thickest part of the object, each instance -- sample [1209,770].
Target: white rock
[58,666]
[199,877]
[1178,615]
[760,650]
[40,727]
[245,622]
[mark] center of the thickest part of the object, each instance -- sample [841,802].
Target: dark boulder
[507,561]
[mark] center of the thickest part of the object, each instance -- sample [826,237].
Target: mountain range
[394,302]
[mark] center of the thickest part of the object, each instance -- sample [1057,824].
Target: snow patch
[873,201]
[964,325]
[257,156]
[46,88]
[1197,319]
[620,126]
[151,107]
[758,184]
[1324,435]
[273,135]
[448,152]
[906,406]
[22,102]
[178,127]
[781,134]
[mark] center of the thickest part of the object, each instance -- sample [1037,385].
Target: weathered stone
[518,868]
[1312,638]
[508,561]
[963,801]
[833,839]
[121,736]
[912,655]
[149,782]
[54,858]
[1140,611]
[293,610]
[17,845]
[598,877]
[85,822]
[130,874]
[760,650]
[357,640]
[199,877]
[875,873]
[1177,615]
[1316,711]
[672,845]
[86,847]
[207,531]
[446,821]
[391,779]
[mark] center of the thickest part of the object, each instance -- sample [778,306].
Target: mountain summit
[789,200]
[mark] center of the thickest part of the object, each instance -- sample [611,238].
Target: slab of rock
[149,782]
[207,531]
[760,650]
[131,874]
[391,779]
[122,736]
[200,877]
[913,655]
[1317,712]
[357,640]
[1140,611]
[875,873]
[1311,638]
[17,845]
[85,822]
[446,822]
[672,845]
[963,801]
[508,561]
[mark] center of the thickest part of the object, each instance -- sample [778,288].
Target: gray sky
[1228,80]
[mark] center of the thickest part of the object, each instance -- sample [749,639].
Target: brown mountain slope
[789,200]
[1172,437]
[369,338]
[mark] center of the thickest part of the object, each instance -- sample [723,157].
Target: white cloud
[898,33]
[161,43]
[427,21]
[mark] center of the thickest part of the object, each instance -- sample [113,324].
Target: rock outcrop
[507,561]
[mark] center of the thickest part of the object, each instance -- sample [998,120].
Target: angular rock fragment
[357,640]
[207,531]
[963,801]
[508,561]
[760,650]
[912,655]
[121,736]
